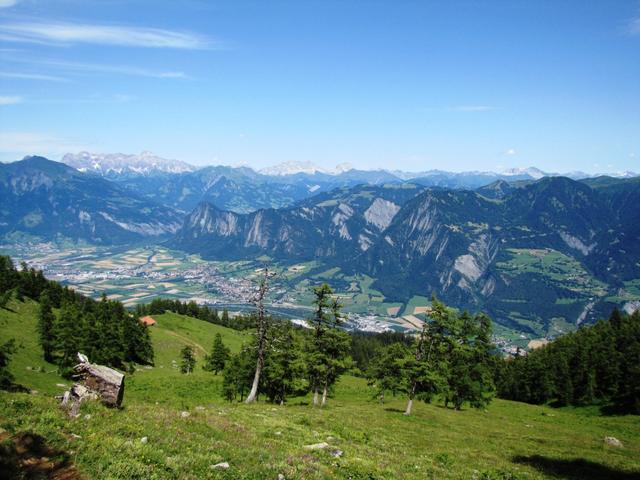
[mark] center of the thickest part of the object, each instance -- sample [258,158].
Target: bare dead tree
[261,330]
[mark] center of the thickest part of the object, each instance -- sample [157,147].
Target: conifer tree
[329,347]
[230,380]
[6,377]
[69,333]
[215,362]
[386,373]
[225,318]
[285,367]
[188,360]
[46,325]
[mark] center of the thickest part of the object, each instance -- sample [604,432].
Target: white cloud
[510,152]
[8,3]
[10,99]
[114,69]
[32,76]
[471,108]
[15,145]
[69,34]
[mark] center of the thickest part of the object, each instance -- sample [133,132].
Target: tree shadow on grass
[28,456]
[614,410]
[575,469]
[391,409]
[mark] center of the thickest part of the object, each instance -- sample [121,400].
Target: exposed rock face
[631,307]
[459,245]
[333,228]
[473,265]
[575,242]
[381,213]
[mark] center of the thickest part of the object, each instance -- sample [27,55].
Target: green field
[554,265]
[506,441]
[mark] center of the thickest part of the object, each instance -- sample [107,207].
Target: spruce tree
[285,368]
[188,360]
[328,347]
[225,318]
[215,362]
[69,330]
[6,377]
[46,325]
[230,379]
[386,373]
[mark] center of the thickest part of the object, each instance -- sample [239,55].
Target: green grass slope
[507,441]
[164,382]
[19,321]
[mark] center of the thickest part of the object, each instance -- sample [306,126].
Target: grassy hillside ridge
[263,440]
[164,382]
[19,321]
[507,441]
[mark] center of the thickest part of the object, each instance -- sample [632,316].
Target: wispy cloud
[89,68]
[15,145]
[633,26]
[10,99]
[510,152]
[125,36]
[470,108]
[32,76]
[8,3]
[92,99]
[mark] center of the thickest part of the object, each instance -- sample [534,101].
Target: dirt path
[187,340]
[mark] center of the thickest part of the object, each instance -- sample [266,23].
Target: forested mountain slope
[49,199]
[553,248]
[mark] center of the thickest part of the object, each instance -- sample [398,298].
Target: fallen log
[104,381]
[98,383]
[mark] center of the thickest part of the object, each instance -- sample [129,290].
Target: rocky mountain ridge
[50,200]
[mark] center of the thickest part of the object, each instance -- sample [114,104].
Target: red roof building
[148,321]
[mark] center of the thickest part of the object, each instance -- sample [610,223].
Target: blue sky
[455,85]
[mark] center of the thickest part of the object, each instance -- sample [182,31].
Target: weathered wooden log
[106,382]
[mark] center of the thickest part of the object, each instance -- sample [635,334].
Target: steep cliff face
[440,242]
[471,250]
[336,227]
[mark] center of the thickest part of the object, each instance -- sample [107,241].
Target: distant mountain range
[243,190]
[537,254]
[118,165]
[50,200]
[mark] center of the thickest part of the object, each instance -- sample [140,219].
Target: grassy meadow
[367,440]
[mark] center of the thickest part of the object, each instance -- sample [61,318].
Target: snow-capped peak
[625,174]
[116,164]
[292,168]
[533,172]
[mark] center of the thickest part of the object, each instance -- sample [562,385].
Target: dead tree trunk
[106,382]
[97,382]
[262,334]
[410,400]
[324,395]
